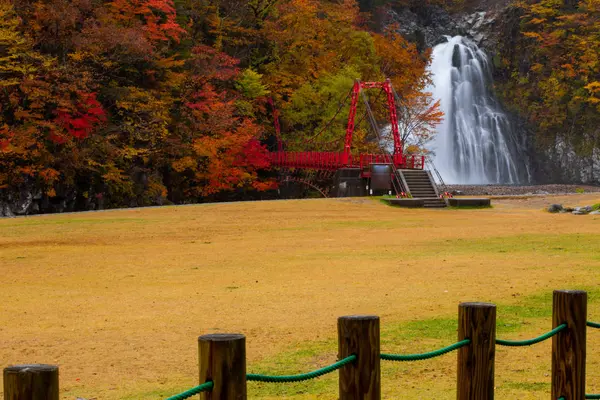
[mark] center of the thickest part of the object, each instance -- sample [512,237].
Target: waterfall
[475,143]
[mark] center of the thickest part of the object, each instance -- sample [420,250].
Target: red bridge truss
[323,160]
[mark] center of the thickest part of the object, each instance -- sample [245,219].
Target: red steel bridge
[388,171]
[335,160]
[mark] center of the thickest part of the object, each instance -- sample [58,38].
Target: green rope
[389,357]
[529,342]
[302,377]
[425,356]
[205,387]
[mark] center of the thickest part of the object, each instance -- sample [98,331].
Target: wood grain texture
[359,335]
[223,360]
[568,346]
[31,382]
[475,381]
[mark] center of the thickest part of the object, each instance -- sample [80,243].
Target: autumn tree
[157,17]
[18,60]
[225,152]
[555,87]
[46,112]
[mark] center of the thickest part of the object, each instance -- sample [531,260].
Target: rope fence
[425,356]
[566,304]
[205,387]
[529,342]
[223,358]
[301,377]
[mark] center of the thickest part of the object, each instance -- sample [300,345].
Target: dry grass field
[118,298]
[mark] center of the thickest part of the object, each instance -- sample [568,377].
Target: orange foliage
[159,17]
[229,156]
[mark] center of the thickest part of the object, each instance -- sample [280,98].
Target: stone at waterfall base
[554,208]
[558,208]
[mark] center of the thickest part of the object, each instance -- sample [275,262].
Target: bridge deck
[335,160]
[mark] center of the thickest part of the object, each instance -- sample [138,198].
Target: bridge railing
[336,160]
[309,160]
[223,358]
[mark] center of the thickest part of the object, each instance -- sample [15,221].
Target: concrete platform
[405,202]
[470,202]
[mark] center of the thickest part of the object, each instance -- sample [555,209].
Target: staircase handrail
[429,161]
[434,183]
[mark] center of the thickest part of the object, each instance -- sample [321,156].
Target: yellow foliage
[592,5]
[18,60]
[537,21]
[145,116]
[184,163]
[593,87]
[537,67]
[77,56]
[533,35]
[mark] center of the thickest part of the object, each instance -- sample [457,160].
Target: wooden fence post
[568,346]
[359,335]
[476,321]
[31,382]
[223,361]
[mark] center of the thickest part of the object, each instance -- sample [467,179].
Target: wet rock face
[428,25]
[18,202]
[479,28]
[5,210]
[29,200]
[456,59]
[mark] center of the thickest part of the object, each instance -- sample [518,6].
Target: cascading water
[475,143]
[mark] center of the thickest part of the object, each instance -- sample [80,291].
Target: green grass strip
[425,356]
[529,342]
[592,396]
[593,325]
[207,386]
[302,377]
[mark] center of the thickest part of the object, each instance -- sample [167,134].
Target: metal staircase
[420,185]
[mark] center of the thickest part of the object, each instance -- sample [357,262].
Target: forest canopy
[140,102]
[549,70]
